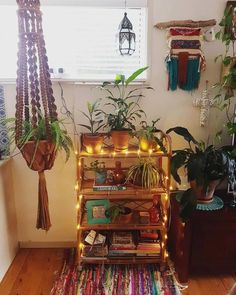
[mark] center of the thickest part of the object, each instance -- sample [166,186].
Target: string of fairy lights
[112,155]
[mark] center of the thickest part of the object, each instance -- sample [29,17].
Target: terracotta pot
[92,143]
[146,145]
[204,196]
[40,155]
[125,217]
[120,139]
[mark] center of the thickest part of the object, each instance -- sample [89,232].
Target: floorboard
[33,272]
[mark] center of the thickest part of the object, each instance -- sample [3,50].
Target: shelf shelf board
[133,225]
[121,260]
[131,191]
[133,152]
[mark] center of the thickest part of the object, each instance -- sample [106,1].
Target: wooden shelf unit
[132,193]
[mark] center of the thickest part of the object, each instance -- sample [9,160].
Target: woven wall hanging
[35,103]
[185,59]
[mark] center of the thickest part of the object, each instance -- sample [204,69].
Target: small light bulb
[80,197]
[78,226]
[171,187]
[81,245]
[127,152]
[166,236]
[166,177]
[76,153]
[79,163]
[166,197]
[77,206]
[114,153]
[165,218]
[76,186]
[138,152]
[167,255]
[162,244]
[102,151]
[150,151]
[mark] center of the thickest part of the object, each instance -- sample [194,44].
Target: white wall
[174,108]
[8,228]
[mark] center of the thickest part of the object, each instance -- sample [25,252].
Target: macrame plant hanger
[34,100]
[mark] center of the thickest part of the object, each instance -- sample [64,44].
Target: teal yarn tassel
[193,75]
[172,68]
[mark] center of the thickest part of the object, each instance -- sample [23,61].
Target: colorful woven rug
[114,280]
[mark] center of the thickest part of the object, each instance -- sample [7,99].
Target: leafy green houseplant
[93,141]
[100,171]
[145,173]
[124,103]
[150,137]
[118,213]
[60,139]
[206,167]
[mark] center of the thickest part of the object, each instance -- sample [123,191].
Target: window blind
[83,41]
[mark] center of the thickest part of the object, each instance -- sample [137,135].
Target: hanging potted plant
[38,132]
[145,173]
[126,110]
[206,167]
[93,141]
[150,137]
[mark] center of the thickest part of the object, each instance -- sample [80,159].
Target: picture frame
[96,211]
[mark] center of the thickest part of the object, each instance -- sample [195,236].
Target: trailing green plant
[59,135]
[151,133]
[146,173]
[94,117]
[124,102]
[114,211]
[228,82]
[204,164]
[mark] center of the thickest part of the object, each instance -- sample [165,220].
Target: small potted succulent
[93,141]
[126,109]
[100,171]
[119,214]
[150,137]
[206,167]
[145,173]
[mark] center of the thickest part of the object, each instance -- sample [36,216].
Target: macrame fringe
[43,218]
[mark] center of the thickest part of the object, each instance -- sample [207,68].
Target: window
[81,40]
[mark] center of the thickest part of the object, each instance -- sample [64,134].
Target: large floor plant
[206,167]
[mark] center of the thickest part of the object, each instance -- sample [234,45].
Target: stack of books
[122,244]
[149,244]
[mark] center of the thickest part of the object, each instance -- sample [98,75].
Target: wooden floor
[34,270]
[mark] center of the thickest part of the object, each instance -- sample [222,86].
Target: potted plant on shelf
[126,109]
[150,137]
[206,167]
[145,173]
[93,141]
[119,214]
[100,171]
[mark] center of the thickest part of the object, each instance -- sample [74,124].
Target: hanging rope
[34,100]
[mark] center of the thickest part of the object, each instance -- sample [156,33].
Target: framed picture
[96,211]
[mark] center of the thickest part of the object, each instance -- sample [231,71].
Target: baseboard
[69,244]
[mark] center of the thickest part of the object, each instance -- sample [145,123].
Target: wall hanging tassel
[185,60]
[35,103]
